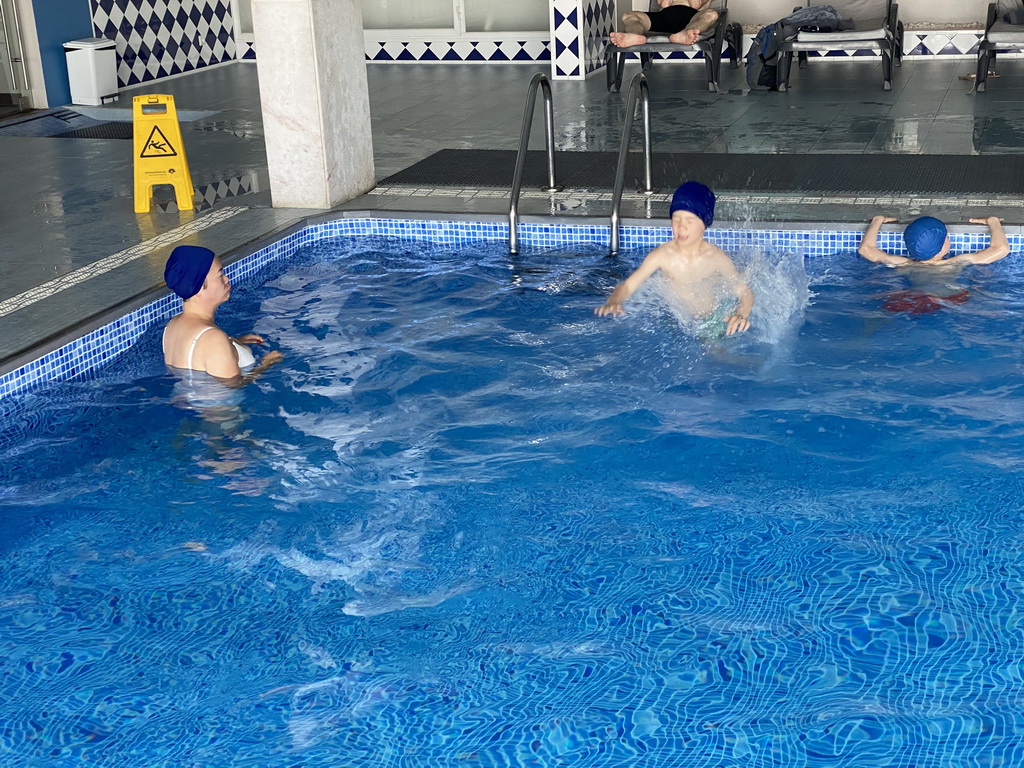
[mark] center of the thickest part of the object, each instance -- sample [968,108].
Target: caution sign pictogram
[159,152]
[157,145]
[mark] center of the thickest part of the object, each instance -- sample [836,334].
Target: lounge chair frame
[885,35]
[999,36]
[711,43]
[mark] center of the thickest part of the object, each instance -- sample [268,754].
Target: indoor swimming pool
[466,522]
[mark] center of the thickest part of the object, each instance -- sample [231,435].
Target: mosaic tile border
[460,51]
[591,195]
[119,259]
[97,348]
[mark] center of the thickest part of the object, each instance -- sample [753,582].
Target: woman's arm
[221,360]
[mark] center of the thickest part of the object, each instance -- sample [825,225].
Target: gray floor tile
[67,203]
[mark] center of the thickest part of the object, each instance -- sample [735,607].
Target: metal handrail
[538,81]
[21,47]
[637,88]
[7,43]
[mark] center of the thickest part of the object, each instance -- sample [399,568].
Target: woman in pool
[192,341]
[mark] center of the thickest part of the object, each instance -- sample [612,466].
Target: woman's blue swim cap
[187,268]
[924,237]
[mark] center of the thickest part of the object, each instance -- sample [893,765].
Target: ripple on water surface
[467,522]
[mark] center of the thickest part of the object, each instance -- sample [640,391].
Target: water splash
[781,291]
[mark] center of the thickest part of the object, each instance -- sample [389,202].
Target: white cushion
[1006,34]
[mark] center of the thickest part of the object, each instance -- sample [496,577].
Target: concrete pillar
[316,111]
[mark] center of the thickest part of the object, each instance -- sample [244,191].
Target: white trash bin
[92,70]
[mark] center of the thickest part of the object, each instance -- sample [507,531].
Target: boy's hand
[736,323]
[985,220]
[886,219]
[250,338]
[612,308]
[272,357]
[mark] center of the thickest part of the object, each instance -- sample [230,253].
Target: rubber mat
[115,130]
[811,174]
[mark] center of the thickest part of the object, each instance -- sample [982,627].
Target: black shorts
[670,20]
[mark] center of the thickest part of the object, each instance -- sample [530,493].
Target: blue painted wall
[58,21]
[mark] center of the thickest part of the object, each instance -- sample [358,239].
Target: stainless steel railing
[541,82]
[14,29]
[637,89]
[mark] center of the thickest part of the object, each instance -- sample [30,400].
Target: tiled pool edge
[100,345]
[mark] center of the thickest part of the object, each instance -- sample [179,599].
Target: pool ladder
[638,89]
[539,81]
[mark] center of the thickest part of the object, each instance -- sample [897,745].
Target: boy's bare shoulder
[713,249]
[661,252]
[716,256]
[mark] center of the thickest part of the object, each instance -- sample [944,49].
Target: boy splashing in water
[700,273]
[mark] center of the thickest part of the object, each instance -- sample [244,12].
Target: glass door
[456,16]
[13,80]
[503,16]
[409,14]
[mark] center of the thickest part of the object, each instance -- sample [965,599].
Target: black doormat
[113,130]
[809,174]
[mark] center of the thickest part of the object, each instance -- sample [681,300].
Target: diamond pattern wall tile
[157,38]
[567,63]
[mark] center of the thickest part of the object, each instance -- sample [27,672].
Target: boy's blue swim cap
[695,198]
[187,269]
[924,237]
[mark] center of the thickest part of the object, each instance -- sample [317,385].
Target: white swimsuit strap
[192,348]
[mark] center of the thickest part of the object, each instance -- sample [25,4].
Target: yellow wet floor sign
[159,152]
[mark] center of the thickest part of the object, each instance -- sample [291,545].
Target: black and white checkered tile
[209,195]
[157,38]
[460,50]
[598,22]
[933,43]
[566,58]
[581,29]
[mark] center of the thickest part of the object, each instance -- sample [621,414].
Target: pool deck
[74,252]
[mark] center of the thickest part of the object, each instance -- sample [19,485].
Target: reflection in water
[216,439]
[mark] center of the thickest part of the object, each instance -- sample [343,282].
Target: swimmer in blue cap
[192,341]
[700,273]
[928,244]
[928,247]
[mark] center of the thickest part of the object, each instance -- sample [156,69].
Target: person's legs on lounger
[682,20]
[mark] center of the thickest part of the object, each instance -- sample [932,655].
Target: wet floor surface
[71,245]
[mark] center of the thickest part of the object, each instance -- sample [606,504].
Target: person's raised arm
[869,244]
[998,247]
[628,287]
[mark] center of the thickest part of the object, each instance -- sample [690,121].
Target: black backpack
[763,60]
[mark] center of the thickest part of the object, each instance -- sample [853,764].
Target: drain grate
[115,130]
[822,174]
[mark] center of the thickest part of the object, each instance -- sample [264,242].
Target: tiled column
[316,111]
[579,34]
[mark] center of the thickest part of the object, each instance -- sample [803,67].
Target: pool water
[467,522]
